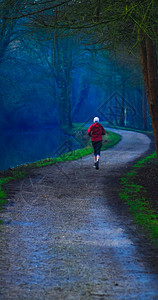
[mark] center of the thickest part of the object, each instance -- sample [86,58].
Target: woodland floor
[147,176]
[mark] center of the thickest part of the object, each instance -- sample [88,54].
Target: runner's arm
[90,131]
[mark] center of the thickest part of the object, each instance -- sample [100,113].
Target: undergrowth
[136,197]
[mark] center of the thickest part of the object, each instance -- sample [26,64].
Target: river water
[25,147]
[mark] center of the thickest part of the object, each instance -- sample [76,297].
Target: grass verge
[109,140]
[12,175]
[135,194]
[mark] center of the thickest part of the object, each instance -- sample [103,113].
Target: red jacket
[96,131]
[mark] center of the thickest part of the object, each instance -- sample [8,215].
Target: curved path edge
[67,236]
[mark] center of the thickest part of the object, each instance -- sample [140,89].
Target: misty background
[47,83]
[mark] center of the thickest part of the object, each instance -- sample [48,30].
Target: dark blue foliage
[52,84]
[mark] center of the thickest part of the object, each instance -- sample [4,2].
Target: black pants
[97,147]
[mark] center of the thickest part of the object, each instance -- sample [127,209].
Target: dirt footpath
[67,236]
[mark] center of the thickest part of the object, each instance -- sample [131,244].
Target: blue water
[25,147]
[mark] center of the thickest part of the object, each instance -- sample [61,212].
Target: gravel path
[67,236]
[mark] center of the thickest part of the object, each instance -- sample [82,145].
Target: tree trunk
[149,68]
[144,109]
[64,106]
[62,65]
[122,114]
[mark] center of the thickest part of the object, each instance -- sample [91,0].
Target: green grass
[135,196]
[109,140]
[141,162]
[3,181]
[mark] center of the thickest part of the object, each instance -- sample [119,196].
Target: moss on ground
[134,193]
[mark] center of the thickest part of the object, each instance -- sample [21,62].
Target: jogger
[96,131]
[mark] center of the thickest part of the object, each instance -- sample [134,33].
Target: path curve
[61,239]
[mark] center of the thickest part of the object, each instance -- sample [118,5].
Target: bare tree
[111,24]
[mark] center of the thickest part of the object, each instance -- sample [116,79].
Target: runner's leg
[98,153]
[95,158]
[95,152]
